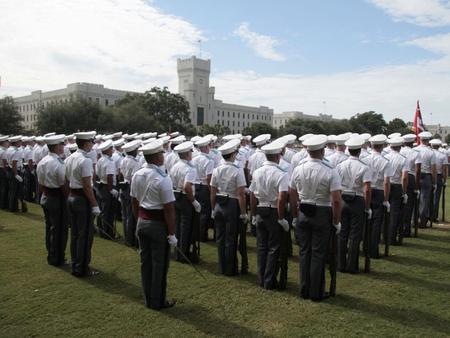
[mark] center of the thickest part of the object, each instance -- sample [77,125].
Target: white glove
[197,206]
[417,192]
[172,239]
[256,219]
[284,224]
[294,221]
[247,191]
[43,200]
[387,205]
[213,214]
[114,192]
[434,186]
[18,178]
[444,184]
[96,210]
[338,228]
[369,213]
[243,218]
[405,198]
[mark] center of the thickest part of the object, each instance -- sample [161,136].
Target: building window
[228,114]
[228,123]
[257,117]
[200,116]
[90,99]
[239,124]
[253,116]
[223,122]
[233,115]
[223,113]
[233,123]
[97,100]
[106,102]
[239,115]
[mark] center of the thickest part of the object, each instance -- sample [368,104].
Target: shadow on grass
[31,216]
[419,262]
[426,247]
[403,316]
[442,228]
[433,238]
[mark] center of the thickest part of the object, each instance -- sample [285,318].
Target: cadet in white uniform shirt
[318,188]
[302,154]
[331,146]
[106,173]
[184,177]
[258,158]
[82,204]
[29,183]
[3,172]
[128,168]
[339,155]
[51,177]
[14,156]
[228,207]
[381,185]
[172,157]
[153,206]
[427,178]
[356,193]
[398,193]
[441,175]
[204,166]
[413,160]
[268,202]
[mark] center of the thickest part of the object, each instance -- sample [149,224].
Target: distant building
[438,129]
[29,105]
[193,84]
[280,120]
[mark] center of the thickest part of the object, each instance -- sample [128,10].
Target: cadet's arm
[367,194]
[14,167]
[433,173]
[88,192]
[336,206]
[387,188]
[405,181]
[135,207]
[109,180]
[281,203]
[189,192]
[169,216]
[213,197]
[418,172]
[241,198]
[253,202]
[293,201]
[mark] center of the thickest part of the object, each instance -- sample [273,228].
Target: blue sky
[356,55]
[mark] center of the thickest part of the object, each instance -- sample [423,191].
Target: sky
[315,56]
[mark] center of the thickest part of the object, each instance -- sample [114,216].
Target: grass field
[405,295]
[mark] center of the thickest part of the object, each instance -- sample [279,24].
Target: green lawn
[406,294]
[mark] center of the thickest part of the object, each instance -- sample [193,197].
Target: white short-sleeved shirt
[28,154]
[40,152]
[216,157]
[152,187]
[337,157]
[15,154]
[399,165]
[51,171]
[268,181]
[286,166]
[117,157]
[241,157]
[354,173]
[106,166]
[329,152]
[78,166]
[170,160]
[204,166]
[256,160]
[2,156]
[128,167]
[288,154]
[441,160]
[227,178]
[314,181]
[428,158]
[380,168]
[298,157]
[181,173]
[412,158]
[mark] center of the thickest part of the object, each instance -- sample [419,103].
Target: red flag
[418,125]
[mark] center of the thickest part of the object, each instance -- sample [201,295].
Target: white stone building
[193,84]
[280,120]
[28,105]
[434,129]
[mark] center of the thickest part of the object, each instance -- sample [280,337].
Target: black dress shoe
[326,295]
[167,304]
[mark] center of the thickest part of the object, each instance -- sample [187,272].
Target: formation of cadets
[340,194]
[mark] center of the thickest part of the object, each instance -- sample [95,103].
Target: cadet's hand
[114,192]
[368,213]
[197,206]
[254,220]
[405,198]
[213,214]
[294,221]
[247,191]
[444,184]
[338,228]
[284,224]
[43,200]
[243,218]
[417,192]
[387,205]
[18,178]
[172,239]
[96,210]
[434,186]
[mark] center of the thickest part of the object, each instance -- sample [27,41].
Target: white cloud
[262,45]
[430,13]
[123,44]
[391,90]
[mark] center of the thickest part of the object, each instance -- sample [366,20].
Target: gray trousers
[154,252]
[105,223]
[349,239]
[226,221]
[56,229]
[184,226]
[268,238]
[81,235]
[409,207]
[202,195]
[128,219]
[425,196]
[4,188]
[314,235]
[15,191]
[395,220]
[437,196]
[377,221]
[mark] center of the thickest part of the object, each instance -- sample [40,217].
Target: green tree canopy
[259,128]
[301,127]
[447,139]
[9,117]
[218,130]
[369,122]
[397,125]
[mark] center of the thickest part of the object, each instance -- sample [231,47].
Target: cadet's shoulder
[327,164]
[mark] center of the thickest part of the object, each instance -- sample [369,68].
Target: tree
[447,139]
[397,126]
[76,114]
[259,128]
[368,122]
[10,117]
[301,127]
[437,136]
[218,130]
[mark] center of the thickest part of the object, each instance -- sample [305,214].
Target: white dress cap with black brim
[165,139]
[261,139]
[315,142]
[230,147]
[85,135]
[408,138]
[273,148]
[184,147]
[341,139]
[288,139]
[105,145]
[55,139]
[304,137]
[378,139]
[153,147]
[4,138]
[117,134]
[355,142]
[393,135]
[204,141]
[130,146]
[425,135]
[178,140]
[396,141]
[118,143]
[436,142]
[14,139]
[49,134]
